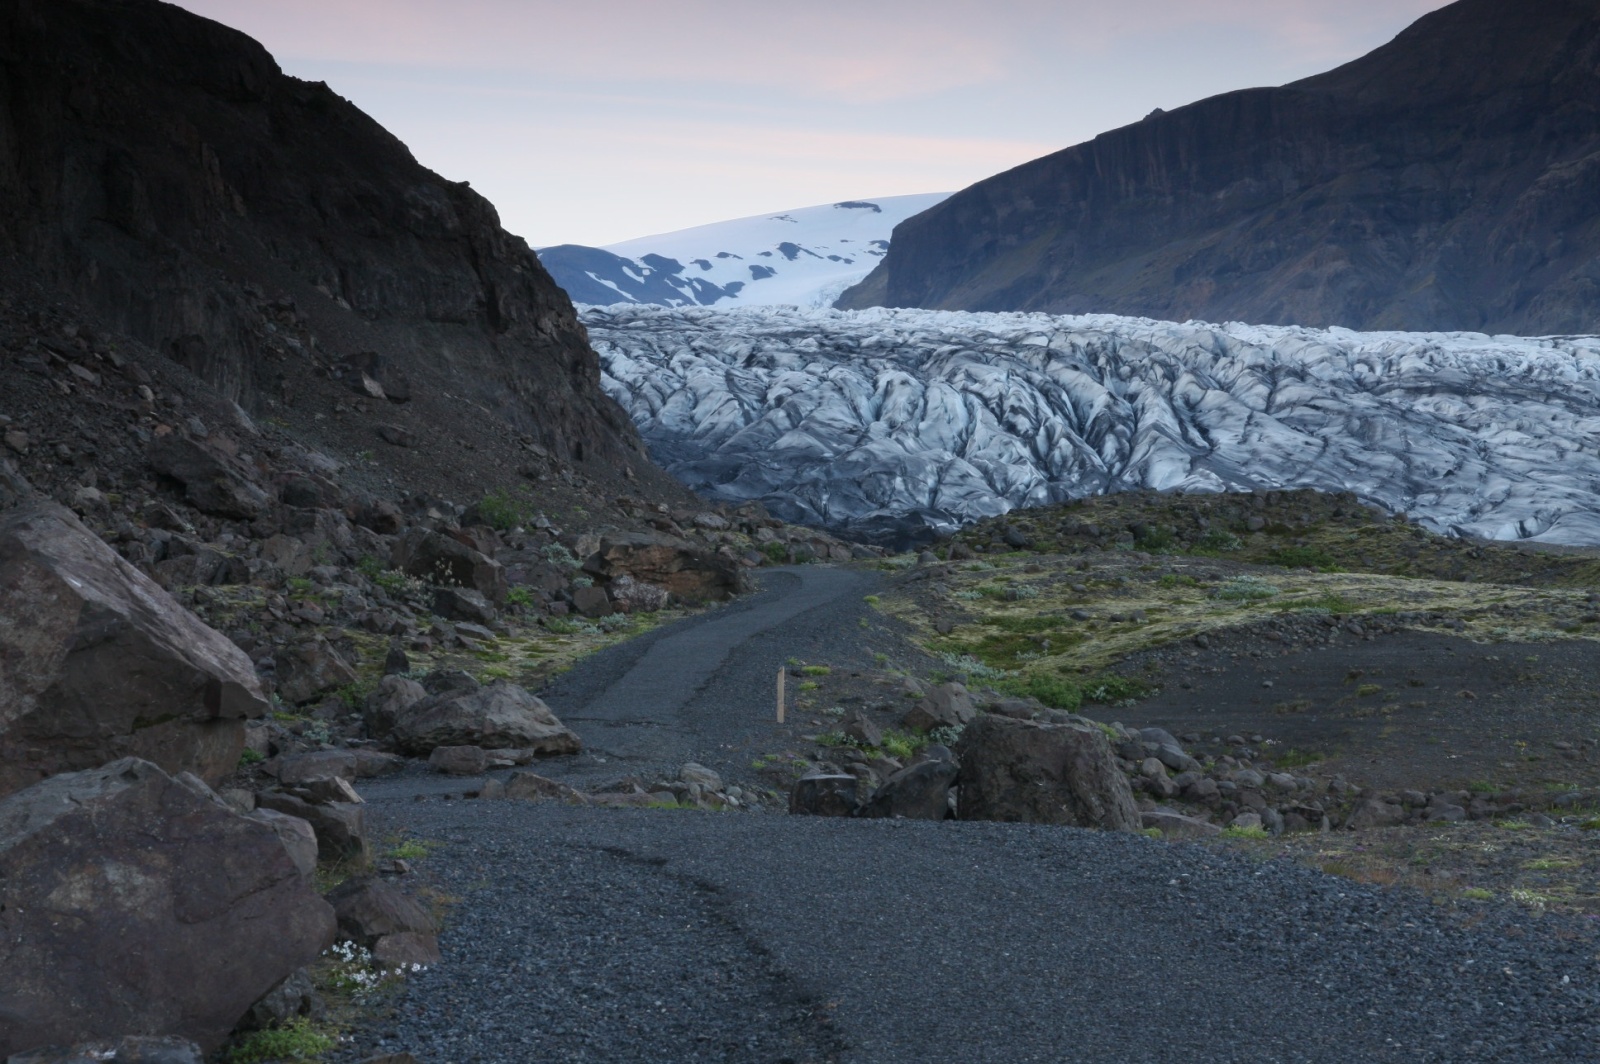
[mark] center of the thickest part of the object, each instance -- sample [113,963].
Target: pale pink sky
[595,123]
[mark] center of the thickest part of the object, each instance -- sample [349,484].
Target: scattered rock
[673,564]
[297,836]
[499,715]
[386,920]
[311,670]
[917,792]
[533,785]
[1017,770]
[298,768]
[204,914]
[392,696]
[1177,826]
[439,559]
[463,604]
[291,999]
[459,760]
[824,794]
[77,622]
[212,482]
[945,706]
[341,828]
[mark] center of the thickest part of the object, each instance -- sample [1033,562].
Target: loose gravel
[586,934]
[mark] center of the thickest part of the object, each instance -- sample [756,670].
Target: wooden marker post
[781,673]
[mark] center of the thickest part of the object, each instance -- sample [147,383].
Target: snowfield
[891,423]
[805,257]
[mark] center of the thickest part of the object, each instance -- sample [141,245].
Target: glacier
[896,425]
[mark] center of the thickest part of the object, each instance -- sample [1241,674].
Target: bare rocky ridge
[1445,181]
[261,230]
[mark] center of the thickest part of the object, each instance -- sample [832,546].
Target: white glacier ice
[887,423]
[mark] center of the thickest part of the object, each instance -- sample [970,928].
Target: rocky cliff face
[160,169]
[1449,180]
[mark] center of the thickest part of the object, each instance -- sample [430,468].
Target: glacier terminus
[895,425]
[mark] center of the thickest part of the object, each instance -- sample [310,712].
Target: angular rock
[370,764]
[667,562]
[341,828]
[327,790]
[132,900]
[212,482]
[406,950]
[392,696]
[1177,826]
[917,792]
[297,836]
[533,785]
[945,706]
[311,670]
[440,559]
[78,622]
[369,908]
[498,715]
[318,764]
[459,760]
[592,602]
[697,774]
[1016,770]
[463,604]
[1373,813]
[824,794]
[636,596]
[291,999]
[862,728]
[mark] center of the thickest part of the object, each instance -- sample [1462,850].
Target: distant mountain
[805,257]
[1448,180]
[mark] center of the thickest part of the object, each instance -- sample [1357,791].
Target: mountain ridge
[1444,181]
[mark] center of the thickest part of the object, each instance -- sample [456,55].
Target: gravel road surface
[661,936]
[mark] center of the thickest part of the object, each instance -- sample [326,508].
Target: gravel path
[662,936]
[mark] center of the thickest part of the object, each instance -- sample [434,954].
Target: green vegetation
[815,670]
[409,849]
[1246,589]
[1366,690]
[519,597]
[299,1039]
[1217,541]
[1303,558]
[1256,832]
[1293,758]
[251,757]
[777,553]
[1477,894]
[503,511]
[871,600]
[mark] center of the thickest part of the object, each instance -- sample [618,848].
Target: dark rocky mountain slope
[160,170]
[1448,180]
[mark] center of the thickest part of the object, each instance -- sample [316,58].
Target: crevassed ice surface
[887,422]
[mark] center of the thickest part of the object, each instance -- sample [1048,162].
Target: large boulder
[97,662]
[212,482]
[686,571]
[311,670]
[340,827]
[440,559]
[497,716]
[1042,773]
[917,792]
[134,902]
[392,696]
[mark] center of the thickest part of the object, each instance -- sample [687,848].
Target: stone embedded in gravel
[404,949]
[533,785]
[97,662]
[1176,825]
[697,774]
[498,715]
[945,706]
[133,900]
[1033,772]
[917,792]
[459,760]
[1375,813]
[824,794]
